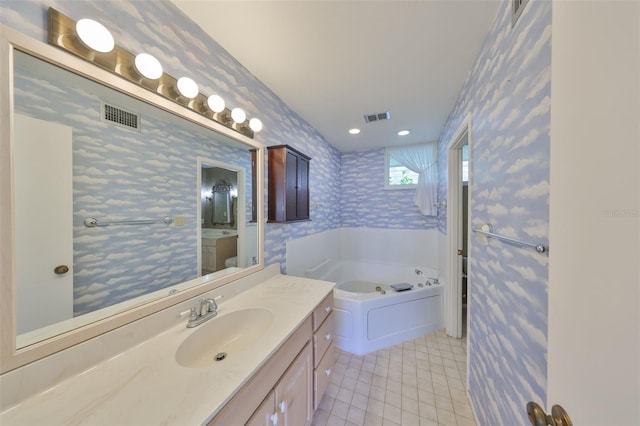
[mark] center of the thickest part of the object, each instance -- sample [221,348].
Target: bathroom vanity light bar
[91,41]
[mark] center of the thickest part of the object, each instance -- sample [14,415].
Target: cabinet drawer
[322,339]
[322,375]
[322,311]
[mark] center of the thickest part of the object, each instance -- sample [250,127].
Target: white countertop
[145,385]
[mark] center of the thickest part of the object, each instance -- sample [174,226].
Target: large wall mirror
[107,201]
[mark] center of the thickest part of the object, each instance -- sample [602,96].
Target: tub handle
[327,336]
[327,309]
[327,371]
[283,407]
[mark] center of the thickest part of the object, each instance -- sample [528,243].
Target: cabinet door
[294,391]
[208,258]
[302,194]
[291,186]
[265,414]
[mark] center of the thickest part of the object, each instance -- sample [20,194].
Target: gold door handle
[538,417]
[61,269]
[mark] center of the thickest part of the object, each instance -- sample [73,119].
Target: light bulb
[403,132]
[187,87]
[238,115]
[354,131]
[216,103]
[95,35]
[255,124]
[148,66]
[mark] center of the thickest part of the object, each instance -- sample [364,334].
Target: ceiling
[335,61]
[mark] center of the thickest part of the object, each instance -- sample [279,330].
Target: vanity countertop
[145,385]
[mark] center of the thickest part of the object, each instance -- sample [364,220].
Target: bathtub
[367,320]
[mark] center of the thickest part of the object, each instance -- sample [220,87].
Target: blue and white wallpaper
[159,28]
[508,95]
[365,202]
[123,174]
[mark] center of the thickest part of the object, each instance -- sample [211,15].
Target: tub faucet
[426,280]
[208,309]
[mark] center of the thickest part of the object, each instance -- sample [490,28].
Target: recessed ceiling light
[354,131]
[403,132]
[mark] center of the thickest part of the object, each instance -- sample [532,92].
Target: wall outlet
[178,220]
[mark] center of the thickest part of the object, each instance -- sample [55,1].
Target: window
[414,167]
[399,176]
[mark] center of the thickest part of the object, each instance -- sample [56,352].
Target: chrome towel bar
[91,222]
[487,230]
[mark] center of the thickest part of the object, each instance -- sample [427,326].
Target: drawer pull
[327,336]
[283,407]
[274,419]
[327,371]
[327,309]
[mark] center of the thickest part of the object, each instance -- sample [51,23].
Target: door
[456,235]
[43,194]
[294,391]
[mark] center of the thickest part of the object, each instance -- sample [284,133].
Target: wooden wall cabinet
[288,184]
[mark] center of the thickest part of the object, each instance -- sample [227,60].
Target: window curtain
[421,159]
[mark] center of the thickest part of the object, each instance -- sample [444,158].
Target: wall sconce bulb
[148,66]
[216,103]
[94,35]
[255,124]
[238,115]
[187,87]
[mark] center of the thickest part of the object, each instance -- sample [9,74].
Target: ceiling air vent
[370,118]
[120,116]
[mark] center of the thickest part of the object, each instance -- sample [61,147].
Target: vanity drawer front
[322,375]
[322,311]
[322,339]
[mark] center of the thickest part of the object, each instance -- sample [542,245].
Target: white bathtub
[367,320]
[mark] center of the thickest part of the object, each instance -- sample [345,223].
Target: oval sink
[228,334]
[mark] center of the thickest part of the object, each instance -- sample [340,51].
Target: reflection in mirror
[82,151]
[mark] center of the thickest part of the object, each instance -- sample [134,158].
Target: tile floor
[416,383]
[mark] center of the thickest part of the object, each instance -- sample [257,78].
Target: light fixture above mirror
[93,42]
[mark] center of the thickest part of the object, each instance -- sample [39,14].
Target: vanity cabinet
[323,348]
[286,380]
[288,197]
[215,251]
[289,404]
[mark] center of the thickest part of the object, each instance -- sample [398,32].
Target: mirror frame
[10,357]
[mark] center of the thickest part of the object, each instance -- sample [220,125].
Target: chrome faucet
[426,280]
[208,309]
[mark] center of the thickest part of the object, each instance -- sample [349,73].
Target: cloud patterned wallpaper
[364,201]
[159,28]
[123,174]
[508,95]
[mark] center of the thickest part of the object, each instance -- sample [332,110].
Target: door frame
[241,206]
[453,320]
